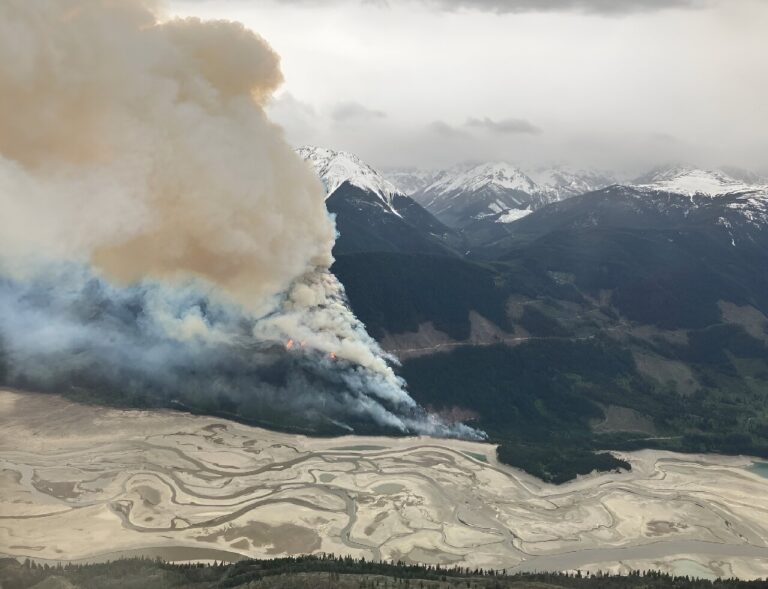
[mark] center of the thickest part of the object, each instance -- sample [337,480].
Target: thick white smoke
[143,148]
[135,152]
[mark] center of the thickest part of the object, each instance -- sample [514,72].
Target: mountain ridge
[334,168]
[691,180]
[371,213]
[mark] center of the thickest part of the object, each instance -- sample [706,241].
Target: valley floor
[85,483]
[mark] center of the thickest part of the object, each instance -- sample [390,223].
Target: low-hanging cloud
[354,111]
[443,129]
[159,237]
[487,125]
[504,126]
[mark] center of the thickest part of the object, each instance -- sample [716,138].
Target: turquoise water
[760,468]
[483,457]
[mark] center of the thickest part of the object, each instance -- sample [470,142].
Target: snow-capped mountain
[564,182]
[337,167]
[499,177]
[495,191]
[371,214]
[485,202]
[690,181]
[461,195]
[727,200]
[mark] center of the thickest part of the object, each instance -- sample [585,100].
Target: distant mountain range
[546,304]
[480,210]
[371,213]
[558,180]
[500,191]
[488,190]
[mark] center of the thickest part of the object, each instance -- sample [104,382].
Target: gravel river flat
[88,483]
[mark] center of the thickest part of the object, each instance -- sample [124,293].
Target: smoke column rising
[158,234]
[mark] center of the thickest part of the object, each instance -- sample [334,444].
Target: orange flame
[289,345]
[332,355]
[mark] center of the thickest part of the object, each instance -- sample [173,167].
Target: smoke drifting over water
[159,237]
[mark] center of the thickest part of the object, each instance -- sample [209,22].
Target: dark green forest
[309,572]
[541,398]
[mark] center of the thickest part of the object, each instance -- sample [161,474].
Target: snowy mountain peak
[690,181]
[337,167]
[495,176]
[553,183]
[464,194]
[564,182]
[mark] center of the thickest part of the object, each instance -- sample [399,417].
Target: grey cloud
[445,130]
[678,84]
[353,111]
[589,6]
[610,7]
[664,137]
[504,126]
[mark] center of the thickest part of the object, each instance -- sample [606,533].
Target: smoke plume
[159,238]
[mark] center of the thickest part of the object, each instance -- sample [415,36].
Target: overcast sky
[606,83]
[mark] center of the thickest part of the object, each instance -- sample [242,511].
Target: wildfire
[332,355]
[289,345]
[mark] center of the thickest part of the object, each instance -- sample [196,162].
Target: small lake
[477,456]
[760,468]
